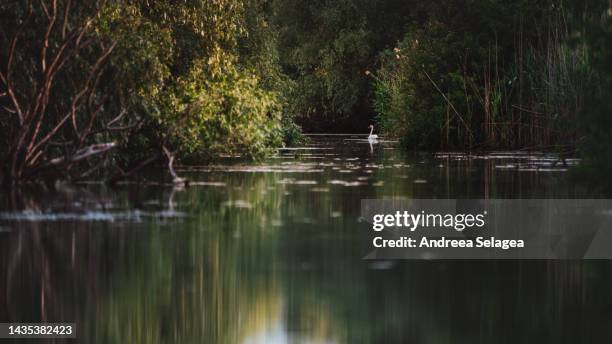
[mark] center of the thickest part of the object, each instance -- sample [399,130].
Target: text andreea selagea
[425,242]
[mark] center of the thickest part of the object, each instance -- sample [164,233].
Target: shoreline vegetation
[101,89]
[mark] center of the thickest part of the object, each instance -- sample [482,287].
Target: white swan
[372,137]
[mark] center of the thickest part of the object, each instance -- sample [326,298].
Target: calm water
[270,253]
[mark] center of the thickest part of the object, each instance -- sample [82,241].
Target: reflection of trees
[466,177]
[150,283]
[28,257]
[45,268]
[454,302]
[225,274]
[185,287]
[198,281]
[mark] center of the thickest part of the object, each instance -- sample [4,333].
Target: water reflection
[270,253]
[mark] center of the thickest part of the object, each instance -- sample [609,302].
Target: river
[270,252]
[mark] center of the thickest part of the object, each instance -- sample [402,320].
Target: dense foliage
[80,80]
[199,78]
[486,74]
[325,48]
[53,86]
[595,116]
[189,81]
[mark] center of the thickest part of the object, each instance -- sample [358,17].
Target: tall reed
[525,94]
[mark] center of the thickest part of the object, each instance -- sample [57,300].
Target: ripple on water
[239,204]
[280,168]
[89,216]
[292,181]
[217,184]
[525,162]
[345,183]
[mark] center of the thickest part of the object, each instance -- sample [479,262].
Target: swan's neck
[371,130]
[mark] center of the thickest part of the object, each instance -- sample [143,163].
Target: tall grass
[464,94]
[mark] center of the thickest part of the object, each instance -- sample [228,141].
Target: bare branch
[81,154]
[65,25]
[52,20]
[77,35]
[45,9]
[9,110]
[73,107]
[70,158]
[86,87]
[61,57]
[51,133]
[109,126]
[27,156]
[39,106]
[92,118]
[118,118]
[11,55]
[175,178]
[36,157]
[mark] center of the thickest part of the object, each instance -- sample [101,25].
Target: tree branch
[175,178]
[73,107]
[85,89]
[10,56]
[65,24]
[52,20]
[79,155]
